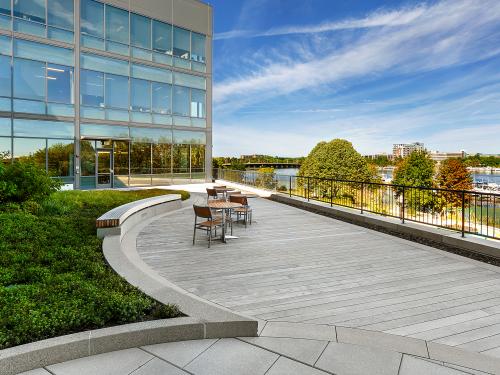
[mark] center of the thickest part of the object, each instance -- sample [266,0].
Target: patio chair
[229,193]
[212,194]
[209,225]
[245,211]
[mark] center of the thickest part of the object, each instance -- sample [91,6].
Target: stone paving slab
[158,367]
[180,353]
[285,366]
[415,366]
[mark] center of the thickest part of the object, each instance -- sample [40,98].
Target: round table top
[244,195]
[223,205]
[223,189]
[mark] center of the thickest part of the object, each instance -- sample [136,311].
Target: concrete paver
[285,366]
[415,366]
[180,353]
[158,367]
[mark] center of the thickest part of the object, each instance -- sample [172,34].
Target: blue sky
[290,73]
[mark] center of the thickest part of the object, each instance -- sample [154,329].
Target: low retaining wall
[119,228]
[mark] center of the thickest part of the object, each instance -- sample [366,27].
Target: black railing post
[331,192]
[463,213]
[308,187]
[362,194]
[290,186]
[403,207]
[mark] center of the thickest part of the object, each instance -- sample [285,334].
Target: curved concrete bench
[120,219]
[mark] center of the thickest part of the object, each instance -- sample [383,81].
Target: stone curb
[413,230]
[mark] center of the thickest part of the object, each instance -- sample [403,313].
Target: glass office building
[109,93]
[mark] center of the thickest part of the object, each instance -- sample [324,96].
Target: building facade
[402,150]
[107,93]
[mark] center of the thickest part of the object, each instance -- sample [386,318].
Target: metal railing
[464,211]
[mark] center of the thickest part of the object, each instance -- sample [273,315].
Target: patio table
[223,191]
[224,206]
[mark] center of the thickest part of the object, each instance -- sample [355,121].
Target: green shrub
[54,279]
[24,181]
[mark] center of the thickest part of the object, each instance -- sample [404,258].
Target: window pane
[38,51]
[30,150]
[98,130]
[181,43]
[91,88]
[120,158]
[105,64]
[140,158]
[5,7]
[140,95]
[197,159]
[162,158]
[92,18]
[181,101]
[162,37]
[140,35]
[187,137]
[38,128]
[5,76]
[5,127]
[181,158]
[60,84]
[60,157]
[151,73]
[149,135]
[188,80]
[5,45]
[116,91]
[198,47]
[87,158]
[197,103]
[5,150]
[117,24]
[61,13]
[162,96]
[29,79]
[31,10]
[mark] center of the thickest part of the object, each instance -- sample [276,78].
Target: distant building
[376,156]
[440,156]
[402,150]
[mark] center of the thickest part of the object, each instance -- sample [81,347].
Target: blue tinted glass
[197,103]
[91,88]
[60,13]
[181,101]
[45,52]
[116,91]
[198,47]
[187,137]
[5,127]
[151,135]
[29,79]
[181,43]
[31,10]
[151,73]
[5,45]
[5,7]
[117,24]
[104,64]
[189,80]
[60,34]
[30,149]
[92,18]
[140,35]
[140,95]
[60,84]
[162,37]
[97,130]
[36,128]
[162,96]
[5,75]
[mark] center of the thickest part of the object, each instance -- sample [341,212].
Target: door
[104,168]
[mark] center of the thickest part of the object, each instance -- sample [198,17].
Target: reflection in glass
[87,158]
[29,79]
[92,18]
[5,7]
[188,137]
[30,150]
[140,95]
[5,45]
[30,10]
[162,158]
[120,158]
[104,64]
[197,158]
[189,80]
[198,47]
[5,126]
[99,130]
[91,88]
[116,91]
[5,150]
[40,128]
[181,159]
[181,43]
[60,13]
[60,84]
[162,96]
[140,35]
[140,158]
[5,76]
[197,103]
[151,73]
[117,28]
[162,37]
[60,157]
[181,101]
[45,52]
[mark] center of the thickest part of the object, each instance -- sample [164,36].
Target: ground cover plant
[54,279]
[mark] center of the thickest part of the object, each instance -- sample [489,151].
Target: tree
[453,174]
[336,159]
[416,170]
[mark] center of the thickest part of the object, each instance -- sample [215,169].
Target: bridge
[268,165]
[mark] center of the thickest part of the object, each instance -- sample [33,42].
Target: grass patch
[54,279]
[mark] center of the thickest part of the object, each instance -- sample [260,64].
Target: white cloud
[449,33]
